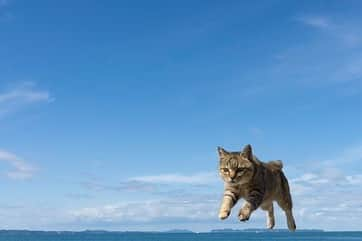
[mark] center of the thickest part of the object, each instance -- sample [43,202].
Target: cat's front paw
[244,214]
[224,214]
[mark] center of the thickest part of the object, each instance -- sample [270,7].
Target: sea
[140,236]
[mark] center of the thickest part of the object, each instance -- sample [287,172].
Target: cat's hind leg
[252,202]
[268,207]
[289,215]
[285,202]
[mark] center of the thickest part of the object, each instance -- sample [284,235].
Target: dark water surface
[83,236]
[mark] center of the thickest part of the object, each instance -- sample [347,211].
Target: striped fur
[258,183]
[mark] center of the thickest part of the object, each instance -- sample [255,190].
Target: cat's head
[236,167]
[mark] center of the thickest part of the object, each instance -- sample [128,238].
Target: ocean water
[245,236]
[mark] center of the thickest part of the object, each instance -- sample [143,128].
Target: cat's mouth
[232,182]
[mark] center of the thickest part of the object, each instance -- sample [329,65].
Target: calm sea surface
[301,236]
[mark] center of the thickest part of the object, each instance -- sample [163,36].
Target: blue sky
[110,113]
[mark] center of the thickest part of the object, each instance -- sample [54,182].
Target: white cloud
[313,180]
[177,200]
[330,195]
[329,191]
[199,178]
[149,210]
[320,192]
[25,93]
[347,32]
[19,96]
[135,186]
[21,169]
[313,64]
[320,22]
[354,180]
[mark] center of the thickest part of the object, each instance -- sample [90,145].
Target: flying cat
[257,182]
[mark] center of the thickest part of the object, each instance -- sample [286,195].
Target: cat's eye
[241,169]
[224,169]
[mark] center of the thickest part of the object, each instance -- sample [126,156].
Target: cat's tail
[278,164]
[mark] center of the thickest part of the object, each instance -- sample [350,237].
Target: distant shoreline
[175,231]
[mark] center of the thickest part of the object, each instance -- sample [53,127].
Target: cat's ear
[247,152]
[221,151]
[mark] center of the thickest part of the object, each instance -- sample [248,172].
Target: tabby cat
[257,182]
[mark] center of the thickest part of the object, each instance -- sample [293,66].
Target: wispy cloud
[198,178]
[348,33]
[318,192]
[78,196]
[348,157]
[25,93]
[327,177]
[161,185]
[132,186]
[21,95]
[329,59]
[21,169]
[320,22]
[328,190]
[329,196]
[150,210]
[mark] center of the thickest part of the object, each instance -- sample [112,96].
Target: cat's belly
[268,197]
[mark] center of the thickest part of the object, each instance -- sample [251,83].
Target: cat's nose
[232,175]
